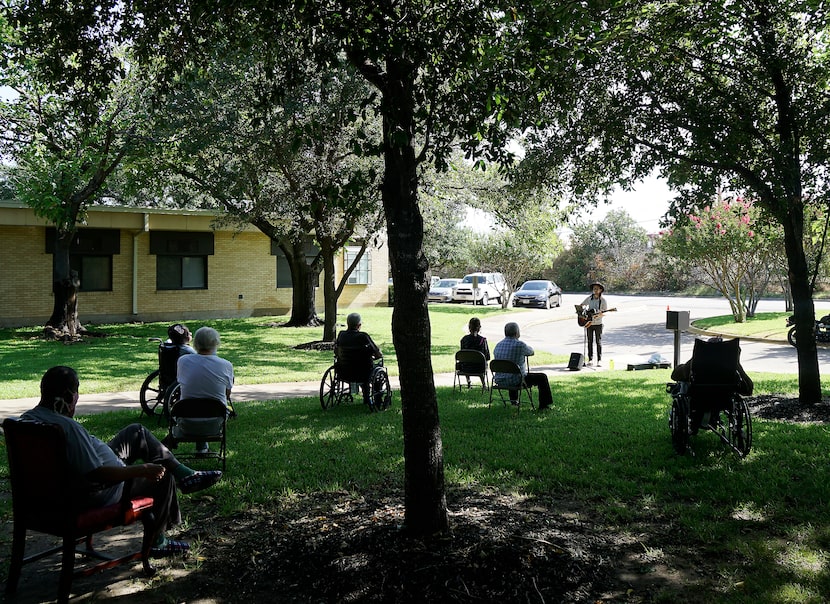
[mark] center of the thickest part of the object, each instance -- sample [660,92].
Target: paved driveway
[637,330]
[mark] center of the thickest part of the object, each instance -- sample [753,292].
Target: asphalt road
[637,330]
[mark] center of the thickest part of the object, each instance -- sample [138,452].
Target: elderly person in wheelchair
[355,356]
[358,362]
[708,395]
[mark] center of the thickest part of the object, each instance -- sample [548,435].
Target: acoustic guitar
[587,317]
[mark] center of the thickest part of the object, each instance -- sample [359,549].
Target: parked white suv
[479,288]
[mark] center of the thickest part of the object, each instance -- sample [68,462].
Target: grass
[770,325]
[260,350]
[764,520]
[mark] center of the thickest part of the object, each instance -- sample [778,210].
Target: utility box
[678,320]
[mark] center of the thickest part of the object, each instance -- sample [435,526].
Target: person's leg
[166,512]
[137,443]
[598,336]
[514,395]
[540,380]
[590,338]
[365,387]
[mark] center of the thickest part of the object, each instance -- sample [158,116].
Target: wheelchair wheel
[740,427]
[151,397]
[679,424]
[329,389]
[381,391]
[171,397]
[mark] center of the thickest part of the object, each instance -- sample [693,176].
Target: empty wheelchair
[353,368]
[160,385]
[711,397]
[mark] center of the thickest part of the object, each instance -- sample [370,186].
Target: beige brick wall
[241,265]
[26,275]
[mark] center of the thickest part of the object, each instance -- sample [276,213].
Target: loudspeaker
[575,362]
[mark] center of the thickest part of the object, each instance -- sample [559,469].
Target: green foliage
[613,250]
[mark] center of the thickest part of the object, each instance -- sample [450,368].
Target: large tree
[437,70]
[717,95]
[441,71]
[281,151]
[64,132]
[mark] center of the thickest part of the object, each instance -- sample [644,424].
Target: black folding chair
[514,380]
[470,363]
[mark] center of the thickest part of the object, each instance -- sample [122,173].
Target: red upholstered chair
[43,493]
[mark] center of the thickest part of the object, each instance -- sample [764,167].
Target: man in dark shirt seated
[353,346]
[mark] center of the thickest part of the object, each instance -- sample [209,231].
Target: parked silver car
[442,291]
[480,288]
[544,294]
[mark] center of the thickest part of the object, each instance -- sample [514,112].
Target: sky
[646,204]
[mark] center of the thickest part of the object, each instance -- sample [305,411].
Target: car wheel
[558,300]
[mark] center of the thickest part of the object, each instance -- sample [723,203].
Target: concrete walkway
[118,401]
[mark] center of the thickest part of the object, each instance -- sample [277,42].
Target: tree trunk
[330,294]
[425,498]
[304,282]
[65,284]
[809,380]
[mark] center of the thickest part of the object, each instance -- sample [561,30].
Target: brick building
[160,265]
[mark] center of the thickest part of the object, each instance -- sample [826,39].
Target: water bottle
[611,365]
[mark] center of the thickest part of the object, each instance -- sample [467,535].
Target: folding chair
[514,381]
[47,499]
[195,420]
[470,363]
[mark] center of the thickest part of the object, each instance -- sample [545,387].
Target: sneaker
[599,363]
[199,481]
[589,363]
[515,403]
[170,548]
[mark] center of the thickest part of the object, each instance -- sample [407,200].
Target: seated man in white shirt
[205,375]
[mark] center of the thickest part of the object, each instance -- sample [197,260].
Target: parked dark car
[544,294]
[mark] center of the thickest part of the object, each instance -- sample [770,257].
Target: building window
[181,272]
[362,273]
[90,254]
[95,272]
[181,259]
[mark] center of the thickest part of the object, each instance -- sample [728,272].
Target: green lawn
[763,520]
[261,351]
[768,325]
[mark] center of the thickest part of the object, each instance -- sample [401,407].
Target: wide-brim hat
[597,284]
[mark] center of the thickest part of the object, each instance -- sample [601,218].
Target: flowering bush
[723,242]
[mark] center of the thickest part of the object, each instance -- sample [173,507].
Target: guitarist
[594,306]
